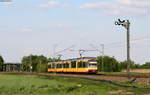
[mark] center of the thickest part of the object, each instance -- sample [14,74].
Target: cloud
[60,25]
[8,3]
[95,5]
[52,4]
[141,3]
[126,11]
[25,30]
[120,7]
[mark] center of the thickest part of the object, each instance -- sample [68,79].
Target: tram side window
[59,65]
[49,66]
[79,64]
[66,65]
[56,65]
[82,65]
[73,64]
[53,65]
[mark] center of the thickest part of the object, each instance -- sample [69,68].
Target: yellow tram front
[77,65]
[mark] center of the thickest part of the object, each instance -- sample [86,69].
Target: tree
[1,63]
[107,64]
[42,64]
[53,59]
[123,65]
[146,65]
[38,63]
[26,63]
[33,62]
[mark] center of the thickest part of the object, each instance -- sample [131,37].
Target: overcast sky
[37,26]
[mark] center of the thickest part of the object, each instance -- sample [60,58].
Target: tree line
[1,63]
[105,64]
[35,63]
[38,63]
[110,64]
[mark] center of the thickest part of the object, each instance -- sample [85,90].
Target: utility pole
[126,25]
[30,63]
[102,45]
[54,51]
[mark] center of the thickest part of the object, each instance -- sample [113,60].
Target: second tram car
[76,65]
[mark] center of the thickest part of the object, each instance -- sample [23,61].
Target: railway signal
[126,25]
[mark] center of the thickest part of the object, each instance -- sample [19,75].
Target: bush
[1,63]
[107,64]
[42,68]
[146,65]
[123,65]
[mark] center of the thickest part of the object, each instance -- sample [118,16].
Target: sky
[43,27]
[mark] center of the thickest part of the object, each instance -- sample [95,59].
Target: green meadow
[28,84]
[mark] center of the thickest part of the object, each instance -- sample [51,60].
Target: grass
[14,84]
[125,73]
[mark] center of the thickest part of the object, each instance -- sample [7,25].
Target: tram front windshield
[92,64]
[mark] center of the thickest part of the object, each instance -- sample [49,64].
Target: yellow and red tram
[76,65]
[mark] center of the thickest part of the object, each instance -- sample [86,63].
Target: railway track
[113,75]
[111,79]
[119,78]
[129,76]
[85,74]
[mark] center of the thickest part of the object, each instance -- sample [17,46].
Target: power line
[137,39]
[58,53]
[81,51]
[65,49]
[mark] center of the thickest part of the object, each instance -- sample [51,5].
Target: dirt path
[110,78]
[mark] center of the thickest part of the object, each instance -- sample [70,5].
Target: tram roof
[75,59]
